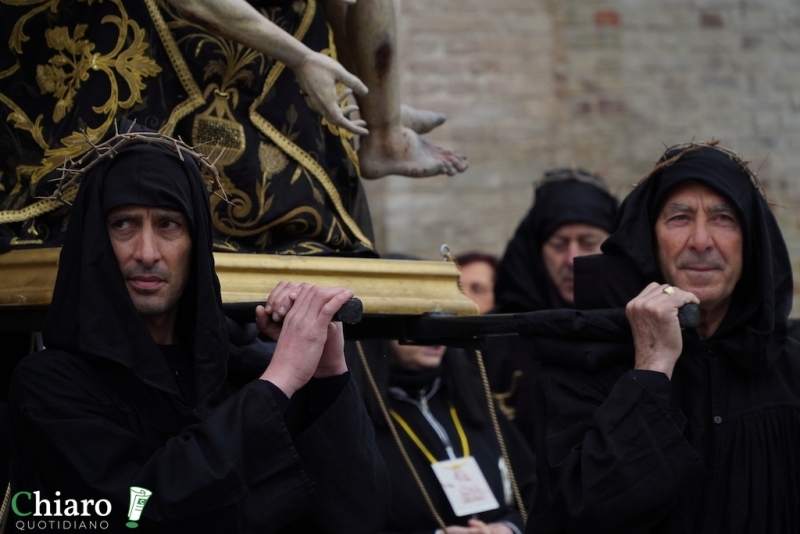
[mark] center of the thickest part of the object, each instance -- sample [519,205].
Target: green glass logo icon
[139,498]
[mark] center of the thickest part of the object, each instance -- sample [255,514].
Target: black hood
[91,312]
[565,196]
[754,330]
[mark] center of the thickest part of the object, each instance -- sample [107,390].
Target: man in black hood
[681,430]
[572,215]
[139,388]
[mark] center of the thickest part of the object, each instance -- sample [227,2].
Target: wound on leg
[383,58]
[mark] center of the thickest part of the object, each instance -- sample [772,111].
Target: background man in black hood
[138,387]
[572,215]
[679,431]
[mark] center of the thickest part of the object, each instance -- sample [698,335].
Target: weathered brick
[607,17]
[711,20]
[533,84]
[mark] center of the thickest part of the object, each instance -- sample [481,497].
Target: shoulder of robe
[51,376]
[789,362]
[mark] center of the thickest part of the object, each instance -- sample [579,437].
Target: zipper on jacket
[422,406]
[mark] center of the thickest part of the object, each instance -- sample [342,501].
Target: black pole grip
[351,311]
[689,315]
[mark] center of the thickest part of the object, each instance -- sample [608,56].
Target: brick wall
[533,84]
[488,66]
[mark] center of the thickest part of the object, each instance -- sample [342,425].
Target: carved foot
[403,152]
[421,121]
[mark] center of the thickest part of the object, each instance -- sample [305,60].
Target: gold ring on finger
[669,290]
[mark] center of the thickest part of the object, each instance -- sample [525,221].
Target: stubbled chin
[704,292]
[699,279]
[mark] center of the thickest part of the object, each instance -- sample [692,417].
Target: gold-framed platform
[385,287]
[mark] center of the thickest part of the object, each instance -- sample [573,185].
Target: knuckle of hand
[311,337]
[652,308]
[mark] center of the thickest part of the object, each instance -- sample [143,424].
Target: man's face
[153,248]
[699,241]
[561,249]
[477,279]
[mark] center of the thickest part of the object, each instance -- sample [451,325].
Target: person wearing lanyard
[447,471]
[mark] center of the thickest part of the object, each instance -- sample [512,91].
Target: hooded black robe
[100,411]
[715,449]
[523,284]
[459,386]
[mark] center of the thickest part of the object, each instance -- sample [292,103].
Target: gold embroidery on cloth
[195,99]
[35,210]
[216,130]
[292,149]
[217,126]
[17,33]
[509,411]
[344,136]
[22,122]
[315,168]
[74,62]
[273,161]
[292,223]
[306,248]
[11,70]
[18,241]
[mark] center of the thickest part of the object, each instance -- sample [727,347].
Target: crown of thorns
[687,148]
[74,170]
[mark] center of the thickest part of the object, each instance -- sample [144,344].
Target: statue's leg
[390,147]
[421,121]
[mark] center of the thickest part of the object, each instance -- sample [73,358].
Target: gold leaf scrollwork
[133,64]
[502,397]
[75,55]
[217,127]
[238,220]
[75,59]
[345,136]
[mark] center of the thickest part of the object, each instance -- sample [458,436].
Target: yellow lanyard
[431,458]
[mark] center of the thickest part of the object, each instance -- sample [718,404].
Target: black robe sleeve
[351,488]
[611,456]
[238,465]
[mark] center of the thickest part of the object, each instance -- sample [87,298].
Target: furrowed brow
[721,208]
[122,215]
[674,207]
[170,214]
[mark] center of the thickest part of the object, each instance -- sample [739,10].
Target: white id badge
[465,486]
